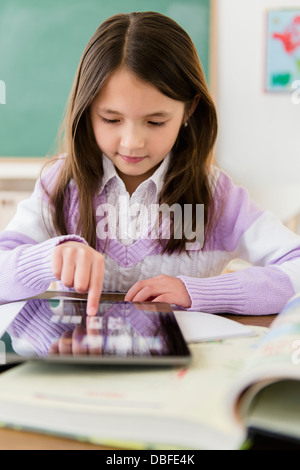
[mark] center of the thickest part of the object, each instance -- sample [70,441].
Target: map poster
[283,49]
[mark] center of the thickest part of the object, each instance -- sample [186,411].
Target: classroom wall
[259,133]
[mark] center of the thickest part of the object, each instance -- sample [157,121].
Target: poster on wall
[283,50]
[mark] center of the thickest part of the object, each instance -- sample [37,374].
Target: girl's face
[135,125]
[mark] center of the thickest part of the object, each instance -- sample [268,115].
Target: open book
[266,395]
[230,384]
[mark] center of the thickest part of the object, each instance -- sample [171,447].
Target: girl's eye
[156,124]
[117,121]
[110,121]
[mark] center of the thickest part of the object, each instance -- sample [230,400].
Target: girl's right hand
[80,266]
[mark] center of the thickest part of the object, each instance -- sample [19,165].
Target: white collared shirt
[131,207]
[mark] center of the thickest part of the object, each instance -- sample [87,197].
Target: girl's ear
[193,106]
[190,110]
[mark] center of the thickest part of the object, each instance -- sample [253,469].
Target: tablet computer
[129,333]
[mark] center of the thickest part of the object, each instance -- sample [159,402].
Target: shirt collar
[158,177]
[109,172]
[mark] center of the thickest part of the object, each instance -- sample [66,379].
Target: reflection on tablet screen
[121,332]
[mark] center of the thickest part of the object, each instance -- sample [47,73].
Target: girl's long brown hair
[160,52]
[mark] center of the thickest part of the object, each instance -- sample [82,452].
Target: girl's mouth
[131,159]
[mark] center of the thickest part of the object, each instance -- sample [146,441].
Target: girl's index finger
[93,299]
[95,289]
[92,306]
[131,293]
[142,290]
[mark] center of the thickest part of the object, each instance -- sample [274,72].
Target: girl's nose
[132,138]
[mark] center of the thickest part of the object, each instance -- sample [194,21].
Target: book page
[276,357]
[277,408]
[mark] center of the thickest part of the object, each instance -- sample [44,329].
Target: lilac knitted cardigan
[242,231]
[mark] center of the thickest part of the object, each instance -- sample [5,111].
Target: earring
[185,124]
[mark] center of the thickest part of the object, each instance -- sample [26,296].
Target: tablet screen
[121,333]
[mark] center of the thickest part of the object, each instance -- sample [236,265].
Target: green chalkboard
[41,42]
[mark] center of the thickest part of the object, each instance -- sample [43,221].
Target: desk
[21,440]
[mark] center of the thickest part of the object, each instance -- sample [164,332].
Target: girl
[139,133]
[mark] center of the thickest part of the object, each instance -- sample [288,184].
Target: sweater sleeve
[258,237]
[26,247]
[26,269]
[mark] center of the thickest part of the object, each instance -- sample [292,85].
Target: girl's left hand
[160,289]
